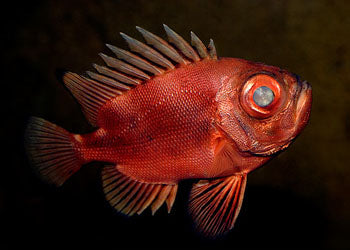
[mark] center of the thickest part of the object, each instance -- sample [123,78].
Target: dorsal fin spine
[212,50]
[181,44]
[198,44]
[93,92]
[147,52]
[108,81]
[116,75]
[124,67]
[134,60]
[162,46]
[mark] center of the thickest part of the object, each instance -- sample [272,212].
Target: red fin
[129,196]
[215,205]
[50,149]
[91,94]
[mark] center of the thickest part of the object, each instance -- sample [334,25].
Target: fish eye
[261,96]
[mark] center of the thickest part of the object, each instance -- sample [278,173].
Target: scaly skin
[173,126]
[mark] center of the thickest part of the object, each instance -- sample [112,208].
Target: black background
[298,200]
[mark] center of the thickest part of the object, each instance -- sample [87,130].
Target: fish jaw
[303,109]
[303,103]
[262,135]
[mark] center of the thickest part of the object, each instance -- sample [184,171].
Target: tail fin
[51,151]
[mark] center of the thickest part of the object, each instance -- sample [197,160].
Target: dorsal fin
[90,94]
[181,44]
[135,60]
[198,44]
[147,52]
[131,69]
[162,46]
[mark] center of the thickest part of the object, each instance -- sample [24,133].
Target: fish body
[201,118]
[165,131]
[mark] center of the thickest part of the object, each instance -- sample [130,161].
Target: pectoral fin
[215,204]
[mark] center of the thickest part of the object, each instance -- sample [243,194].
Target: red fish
[169,112]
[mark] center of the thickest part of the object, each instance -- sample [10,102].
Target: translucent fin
[51,151]
[147,52]
[91,95]
[181,44]
[215,204]
[129,196]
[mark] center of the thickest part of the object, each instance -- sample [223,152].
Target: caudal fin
[51,151]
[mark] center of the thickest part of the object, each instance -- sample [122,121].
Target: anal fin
[130,196]
[215,204]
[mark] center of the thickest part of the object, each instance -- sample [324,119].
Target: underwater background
[300,199]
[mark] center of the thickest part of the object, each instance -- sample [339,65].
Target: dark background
[299,199]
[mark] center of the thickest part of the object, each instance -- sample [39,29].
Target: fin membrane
[215,204]
[129,196]
[130,69]
[50,150]
[91,94]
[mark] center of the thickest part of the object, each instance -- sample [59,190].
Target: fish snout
[303,105]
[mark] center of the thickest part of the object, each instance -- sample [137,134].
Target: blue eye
[263,96]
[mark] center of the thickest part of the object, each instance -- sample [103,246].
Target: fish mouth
[303,106]
[273,149]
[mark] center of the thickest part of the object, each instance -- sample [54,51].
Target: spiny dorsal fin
[116,75]
[198,44]
[124,67]
[135,60]
[132,69]
[212,49]
[162,46]
[129,196]
[181,44]
[147,52]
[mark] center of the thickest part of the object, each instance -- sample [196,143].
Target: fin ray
[116,75]
[129,69]
[201,49]
[181,44]
[135,60]
[147,52]
[212,50]
[124,67]
[51,151]
[215,205]
[91,95]
[129,196]
[162,46]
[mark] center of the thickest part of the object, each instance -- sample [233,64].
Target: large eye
[261,96]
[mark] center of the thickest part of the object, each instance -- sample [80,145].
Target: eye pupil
[263,96]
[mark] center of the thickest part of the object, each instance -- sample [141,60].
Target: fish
[167,111]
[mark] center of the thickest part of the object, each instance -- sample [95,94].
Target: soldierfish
[169,112]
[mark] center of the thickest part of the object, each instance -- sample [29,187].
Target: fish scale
[170,112]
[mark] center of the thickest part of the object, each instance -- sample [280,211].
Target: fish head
[262,108]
